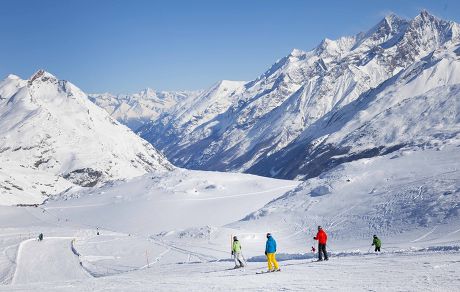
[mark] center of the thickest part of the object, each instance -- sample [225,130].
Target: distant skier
[270,250]
[321,236]
[377,243]
[40,237]
[236,253]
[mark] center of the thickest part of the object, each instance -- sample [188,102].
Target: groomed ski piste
[171,231]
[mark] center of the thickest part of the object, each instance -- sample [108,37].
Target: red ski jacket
[321,236]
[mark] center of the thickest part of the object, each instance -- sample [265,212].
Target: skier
[236,253]
[40,237]
[377,243]
[321,236]
[270,250]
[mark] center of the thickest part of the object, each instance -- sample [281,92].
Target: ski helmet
[235,238]
[319,227]
[269,234]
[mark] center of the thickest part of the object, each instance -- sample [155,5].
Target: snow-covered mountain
[268,114]
[191,119]
[417,108]
[52,137]
[134,110]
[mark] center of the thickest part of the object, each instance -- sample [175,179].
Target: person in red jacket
[321,236]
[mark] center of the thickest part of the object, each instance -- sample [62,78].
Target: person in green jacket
[377,243]
[236,253]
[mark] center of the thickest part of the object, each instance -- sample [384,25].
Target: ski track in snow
[234,196]
[425,235]
[48,260]
[75,206]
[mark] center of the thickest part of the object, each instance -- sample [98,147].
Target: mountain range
[390,88]
[282,123]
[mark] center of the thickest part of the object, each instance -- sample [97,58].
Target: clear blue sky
[124,46]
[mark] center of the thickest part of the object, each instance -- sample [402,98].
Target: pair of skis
[268,272]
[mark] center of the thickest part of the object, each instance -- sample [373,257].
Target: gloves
[314,238]
[265,253]
[232,253]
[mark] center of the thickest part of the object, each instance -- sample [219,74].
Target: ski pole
[231,244]
[244,259]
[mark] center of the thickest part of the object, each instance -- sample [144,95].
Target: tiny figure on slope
[321,236]
[270,250]
[40,237]
[377,243]
[236,253]
[97,231]
[313,249]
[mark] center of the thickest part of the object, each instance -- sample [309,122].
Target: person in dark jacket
[377,243]
[40,237]
[321,236]
[270,251]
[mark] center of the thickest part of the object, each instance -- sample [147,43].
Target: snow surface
[167,198]
[47,261]
[173,232]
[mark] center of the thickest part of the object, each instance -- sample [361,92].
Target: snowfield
[172,232]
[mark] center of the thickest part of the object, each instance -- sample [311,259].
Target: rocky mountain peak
[42,76]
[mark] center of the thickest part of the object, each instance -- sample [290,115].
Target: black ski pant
[321,250]
[377,249]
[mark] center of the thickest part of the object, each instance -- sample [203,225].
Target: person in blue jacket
[270,251]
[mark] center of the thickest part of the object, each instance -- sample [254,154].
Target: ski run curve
[47,261]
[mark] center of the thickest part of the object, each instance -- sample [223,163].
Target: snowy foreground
[170,231]
[405,271]
[118,262]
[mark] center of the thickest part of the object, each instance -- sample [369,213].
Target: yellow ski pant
[272,261]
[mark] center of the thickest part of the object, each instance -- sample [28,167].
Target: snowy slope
[55,254]
[409,198]
[52,137]
[414,193]
[163,202]
[270,112]
[135,110]
[10,85]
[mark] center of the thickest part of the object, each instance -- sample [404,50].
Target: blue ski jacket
[270,246]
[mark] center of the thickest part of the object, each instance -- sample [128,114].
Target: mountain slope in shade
[417,108]
[52,137]
[269,113]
